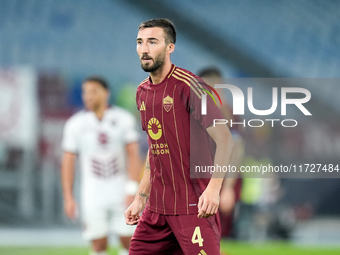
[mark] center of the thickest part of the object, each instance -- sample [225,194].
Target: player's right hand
[70,208]
[132,214]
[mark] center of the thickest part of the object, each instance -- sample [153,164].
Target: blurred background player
[228,197]
[106,141]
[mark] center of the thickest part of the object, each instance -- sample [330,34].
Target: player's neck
[159,75]
[100,112]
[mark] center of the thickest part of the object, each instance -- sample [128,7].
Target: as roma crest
[167,103]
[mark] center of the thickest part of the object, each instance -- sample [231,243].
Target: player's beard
[157,62]
[94,106]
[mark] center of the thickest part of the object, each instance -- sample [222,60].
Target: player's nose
[144,48]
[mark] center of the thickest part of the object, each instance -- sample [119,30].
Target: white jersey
[100,145]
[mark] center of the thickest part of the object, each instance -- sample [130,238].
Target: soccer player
[106,142]
[180,215]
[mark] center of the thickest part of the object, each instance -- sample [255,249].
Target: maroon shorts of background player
[175,235]
[227,221]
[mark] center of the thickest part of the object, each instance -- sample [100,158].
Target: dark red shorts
[175,235]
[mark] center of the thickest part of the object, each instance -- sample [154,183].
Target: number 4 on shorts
[197,237]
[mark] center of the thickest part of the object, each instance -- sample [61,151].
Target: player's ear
[170,48]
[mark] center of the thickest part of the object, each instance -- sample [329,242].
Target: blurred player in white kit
[106,141]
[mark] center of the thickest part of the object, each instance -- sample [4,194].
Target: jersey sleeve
[197,91]
[138,102]
[69,141]
[131,134]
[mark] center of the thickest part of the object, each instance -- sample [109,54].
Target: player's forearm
[67,182]
[67,175]
[222,158]
[224,149]
[144,186]
[134,162]
[134,170]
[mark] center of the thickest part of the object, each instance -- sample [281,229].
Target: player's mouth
[145,58]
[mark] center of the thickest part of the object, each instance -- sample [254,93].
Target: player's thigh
[95,223]
[118,224]
[196,235]
[153,236]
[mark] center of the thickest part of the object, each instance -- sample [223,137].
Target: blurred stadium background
[47,47]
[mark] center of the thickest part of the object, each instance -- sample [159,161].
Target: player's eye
[152,42]
[139,42]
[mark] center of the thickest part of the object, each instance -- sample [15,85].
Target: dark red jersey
[178,141]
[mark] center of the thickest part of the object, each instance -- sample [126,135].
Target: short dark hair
[99,80]
[166,24]
[210,72]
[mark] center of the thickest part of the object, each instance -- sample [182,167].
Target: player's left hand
[208,203]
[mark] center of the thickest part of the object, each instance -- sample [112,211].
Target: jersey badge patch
[167,103]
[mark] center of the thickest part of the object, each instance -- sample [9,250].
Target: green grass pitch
[282,248]
[229,248]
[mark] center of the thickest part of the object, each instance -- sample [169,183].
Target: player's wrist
[214,186]
[131,187]
[68,196]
